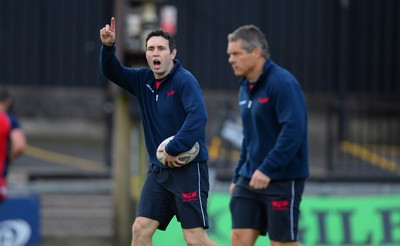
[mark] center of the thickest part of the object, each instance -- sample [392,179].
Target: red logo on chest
[263,100]
[170,93]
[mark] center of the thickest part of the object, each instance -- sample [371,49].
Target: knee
[190,237]
[241,237]
[236,236]
[190,242]
[197,236]
[143,230]
[138,229]
[135,229]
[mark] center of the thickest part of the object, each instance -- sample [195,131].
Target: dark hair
[166,35]
[252,38]
[4,95]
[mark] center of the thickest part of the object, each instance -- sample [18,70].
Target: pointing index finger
[112,23]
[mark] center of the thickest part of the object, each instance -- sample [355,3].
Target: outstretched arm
[107,33]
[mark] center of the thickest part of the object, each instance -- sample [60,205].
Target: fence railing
[361,143]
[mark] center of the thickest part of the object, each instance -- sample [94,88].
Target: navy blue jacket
[176,108]
[274,118]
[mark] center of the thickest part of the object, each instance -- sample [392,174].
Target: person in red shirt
[12,140]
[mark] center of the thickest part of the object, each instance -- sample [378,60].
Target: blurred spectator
[12,139]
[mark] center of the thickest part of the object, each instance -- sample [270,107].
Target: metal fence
[51,43]
[362,141]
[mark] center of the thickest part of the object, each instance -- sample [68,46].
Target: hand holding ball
[184,157]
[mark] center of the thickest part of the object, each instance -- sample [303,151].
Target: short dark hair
[4,95]
[166,35]
[252,38]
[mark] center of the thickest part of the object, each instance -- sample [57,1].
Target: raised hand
[107,33]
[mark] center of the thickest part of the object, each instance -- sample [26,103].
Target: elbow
[21,148]
[19,143]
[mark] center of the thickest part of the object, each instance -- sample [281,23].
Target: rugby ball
[186,157]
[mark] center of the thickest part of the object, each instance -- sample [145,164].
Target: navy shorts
[275,210]
[182,192]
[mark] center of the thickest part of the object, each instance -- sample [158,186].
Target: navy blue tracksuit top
[274,118]
[175,108]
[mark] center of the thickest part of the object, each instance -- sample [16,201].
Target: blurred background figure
[12,139]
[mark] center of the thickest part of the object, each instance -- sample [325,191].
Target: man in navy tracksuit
[268,181]
[170,104]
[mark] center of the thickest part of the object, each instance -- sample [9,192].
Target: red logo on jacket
[170,93]
[263,100]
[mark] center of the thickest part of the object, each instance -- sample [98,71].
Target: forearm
[18,144]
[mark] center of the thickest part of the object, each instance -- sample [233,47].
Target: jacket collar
[262,79]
